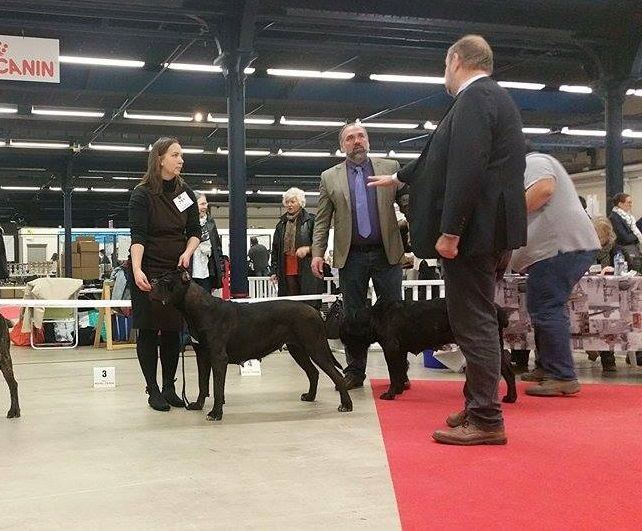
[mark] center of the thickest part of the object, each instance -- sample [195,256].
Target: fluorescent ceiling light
[268,192]
[66,112]
[339,153]
[248,152]
[55,189]
[312,193]
[432,80]
[21,188]
[582,132]
[406,155]
[115,147]
[304,153]
[211,191]
[430,126]
[630,92]
[578,89]
[287,72]
[194,151]
[521,85]
[388,125]
[223,119]
[2,143]
[192,67]
[38,145]
[126,178]
[80,189]
[629,133]
[96,61]
[536,130]
[119,190]
[198,117]
[8,109]
[136,115]
[312,123]
[93,177]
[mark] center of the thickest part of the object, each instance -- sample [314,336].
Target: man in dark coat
[467,207]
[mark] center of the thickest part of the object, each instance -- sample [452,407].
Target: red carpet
[570,463]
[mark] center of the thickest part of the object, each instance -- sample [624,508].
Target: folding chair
[63,320]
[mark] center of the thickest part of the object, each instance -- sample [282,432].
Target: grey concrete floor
[81,458]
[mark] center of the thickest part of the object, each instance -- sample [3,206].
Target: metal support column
[236,176]
[67,189]
[614,100]
[237,55]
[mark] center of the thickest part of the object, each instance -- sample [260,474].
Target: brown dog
[7,367]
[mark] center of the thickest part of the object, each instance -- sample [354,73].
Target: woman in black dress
[165,231]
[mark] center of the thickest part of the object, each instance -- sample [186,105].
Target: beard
[358,154]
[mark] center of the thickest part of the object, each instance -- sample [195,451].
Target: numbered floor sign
[104,377]
[250,368]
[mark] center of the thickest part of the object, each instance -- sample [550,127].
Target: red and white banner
[29,59]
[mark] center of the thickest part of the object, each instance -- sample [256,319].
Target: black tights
[147,350]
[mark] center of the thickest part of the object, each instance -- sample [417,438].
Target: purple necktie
[361,196]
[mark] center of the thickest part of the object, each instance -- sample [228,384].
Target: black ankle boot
[169,394]
[156,400]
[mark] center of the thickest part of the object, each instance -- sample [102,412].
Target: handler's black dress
[158,225]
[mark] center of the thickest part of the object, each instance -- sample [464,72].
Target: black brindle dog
[411,326]
[232,333]
[7,368]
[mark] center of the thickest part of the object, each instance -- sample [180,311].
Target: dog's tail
[336,363]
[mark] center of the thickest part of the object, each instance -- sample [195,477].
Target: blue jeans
[360,267]
[549,285]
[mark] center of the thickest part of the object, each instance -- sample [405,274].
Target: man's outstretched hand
[382,180]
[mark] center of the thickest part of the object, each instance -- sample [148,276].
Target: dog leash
[183,347]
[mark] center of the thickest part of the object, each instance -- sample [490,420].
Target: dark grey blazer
[469,179]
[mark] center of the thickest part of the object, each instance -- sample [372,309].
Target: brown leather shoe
[456,419]
[552,387]
[468,435]
[536,375]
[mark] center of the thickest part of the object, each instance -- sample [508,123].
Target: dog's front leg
[397,363]
[204,369]
[218,361]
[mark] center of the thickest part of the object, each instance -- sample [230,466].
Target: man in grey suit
[367,242]
[467,206]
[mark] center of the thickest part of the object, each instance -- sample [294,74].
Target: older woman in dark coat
[291,258]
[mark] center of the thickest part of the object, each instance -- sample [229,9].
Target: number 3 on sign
[104,377]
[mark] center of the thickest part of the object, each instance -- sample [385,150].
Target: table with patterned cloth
[605,313]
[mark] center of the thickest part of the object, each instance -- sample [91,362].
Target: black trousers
[470,295]
[147,346]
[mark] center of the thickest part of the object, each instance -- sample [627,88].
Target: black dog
[411,326]
[233,333]
[7,368]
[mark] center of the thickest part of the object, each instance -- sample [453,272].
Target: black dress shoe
[170,396]
[156,400]
[352,381]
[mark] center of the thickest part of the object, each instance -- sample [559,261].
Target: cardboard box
[7,293]
[87,246]
[89,260]
[75,260]
[86,273]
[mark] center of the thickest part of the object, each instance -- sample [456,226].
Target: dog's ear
[186,278]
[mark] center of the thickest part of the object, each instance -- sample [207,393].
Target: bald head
[469,56]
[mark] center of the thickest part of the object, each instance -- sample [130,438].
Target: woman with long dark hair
[165,231]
